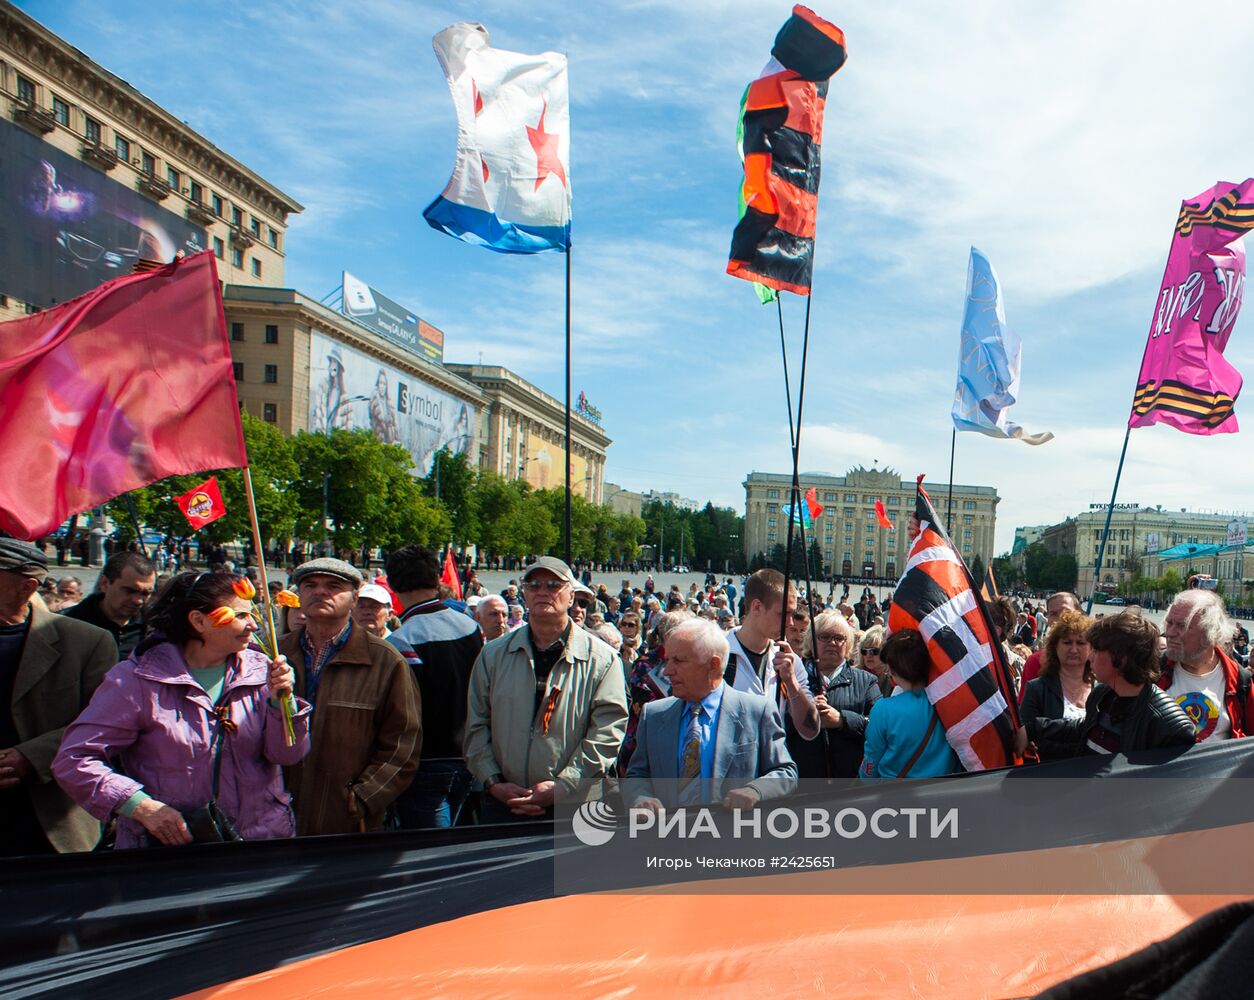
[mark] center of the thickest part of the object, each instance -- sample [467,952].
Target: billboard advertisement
[1152,542]
[349,390]
[543,468]
[65,227]
[391,320]
[1238,531]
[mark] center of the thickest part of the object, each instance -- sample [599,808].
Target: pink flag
[124,385]
[1185,380]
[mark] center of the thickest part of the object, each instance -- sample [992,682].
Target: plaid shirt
[315,660]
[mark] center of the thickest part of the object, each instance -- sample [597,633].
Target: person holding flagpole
[189,725]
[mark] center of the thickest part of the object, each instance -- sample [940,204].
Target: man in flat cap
[367,720]
[547,707]
[49,667]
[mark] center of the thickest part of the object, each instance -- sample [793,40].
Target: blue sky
[1059,139]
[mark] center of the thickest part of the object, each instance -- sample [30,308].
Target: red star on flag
[545,145]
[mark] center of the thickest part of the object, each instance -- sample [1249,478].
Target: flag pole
[1110,509]
[568,401]
[792,443]
[949,504]
[795,434]
[289,704]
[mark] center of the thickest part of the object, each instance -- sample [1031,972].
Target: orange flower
[287,599]
[244,588]
[221,617]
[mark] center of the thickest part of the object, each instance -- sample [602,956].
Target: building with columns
[848,534]
[522,434]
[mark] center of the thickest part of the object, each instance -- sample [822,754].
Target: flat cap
[328,567]
[553,565]
[21,557]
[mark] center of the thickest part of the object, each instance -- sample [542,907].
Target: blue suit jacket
[749,751]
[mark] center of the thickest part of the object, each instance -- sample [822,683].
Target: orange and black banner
[781,130]
[1210,409]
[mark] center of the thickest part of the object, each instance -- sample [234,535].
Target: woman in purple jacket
[158,713]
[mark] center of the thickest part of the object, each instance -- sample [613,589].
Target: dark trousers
[20,829]
[492,811]
[436,797]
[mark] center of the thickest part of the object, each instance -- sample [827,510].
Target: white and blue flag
[989,360]
[510,190]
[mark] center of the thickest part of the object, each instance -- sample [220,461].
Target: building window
[256,268]
[270,413]
[272,374]
[968,519]
[61,111]
[894,501]
[771,508]
[890,569]
[148,163]
[770,536]
[219,248]
[770,522]
[238,367]
[237,331]
[172,178]
[237,258]
[968,505]
[272,334]
[122,146]
[255,227]
[91,130]
[773,494]
[25,90]
[215,204]
[237,217]
[197,193]
[273,235]
[850,497]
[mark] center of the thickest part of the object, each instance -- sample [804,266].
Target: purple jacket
[151,714]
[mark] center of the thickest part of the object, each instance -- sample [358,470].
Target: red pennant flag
[449,577]
[382,581]
[124,385]
[812,501]
[881,515]
[202,504]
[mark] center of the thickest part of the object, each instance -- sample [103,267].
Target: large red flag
[122,386]
[449,577]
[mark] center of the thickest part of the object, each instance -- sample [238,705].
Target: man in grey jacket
[547,705]
[708,742]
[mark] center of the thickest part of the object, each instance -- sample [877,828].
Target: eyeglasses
[534,585]
[833,637]
[870,651]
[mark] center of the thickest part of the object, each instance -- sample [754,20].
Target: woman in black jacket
[1126,711]
[1066,679]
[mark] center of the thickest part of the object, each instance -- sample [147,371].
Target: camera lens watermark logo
[594,823]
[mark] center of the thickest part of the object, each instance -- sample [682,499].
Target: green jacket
[586,725]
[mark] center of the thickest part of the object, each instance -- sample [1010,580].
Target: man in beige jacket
[547,706]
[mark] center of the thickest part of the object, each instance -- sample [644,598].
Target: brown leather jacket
[366,734]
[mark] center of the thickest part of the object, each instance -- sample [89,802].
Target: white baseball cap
[374,592]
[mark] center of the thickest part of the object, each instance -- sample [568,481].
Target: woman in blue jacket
[904,737]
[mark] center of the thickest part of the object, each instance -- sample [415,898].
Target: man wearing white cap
[373,609]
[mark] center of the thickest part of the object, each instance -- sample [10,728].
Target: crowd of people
[153,711]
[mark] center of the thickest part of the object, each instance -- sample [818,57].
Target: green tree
[1005,573]
[977,570]
[452,481]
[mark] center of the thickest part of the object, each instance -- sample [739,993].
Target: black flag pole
[567,534]
[794,435]
[1110,509]
[949,504]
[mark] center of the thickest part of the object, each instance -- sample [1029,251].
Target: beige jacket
[63,662]
[585,727]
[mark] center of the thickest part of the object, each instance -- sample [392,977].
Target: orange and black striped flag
[970,684]
[781,130]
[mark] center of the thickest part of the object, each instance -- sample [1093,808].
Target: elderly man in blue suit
[708,742]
